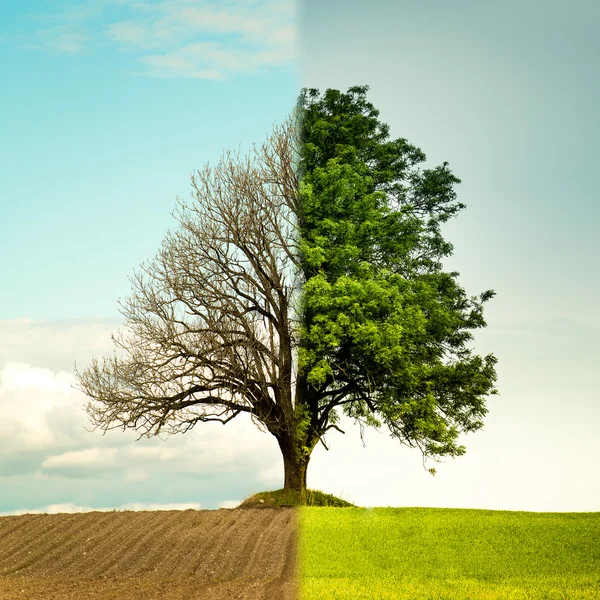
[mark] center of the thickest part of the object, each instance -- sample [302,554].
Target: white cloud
[65,32]
[287,35]
[214,60]
[230,503]
[53,509]
[40,410]
[135,476]
[177,65]
[216,452]
[157,506]
[89,459]
[207,19]
[48,442]
[252,35]
[20,375]
[55,345]
[208,40]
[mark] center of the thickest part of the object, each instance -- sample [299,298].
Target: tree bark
[295,465]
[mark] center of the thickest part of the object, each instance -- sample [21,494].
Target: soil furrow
[285,586]
[70,552]
[42,543]
[235,549]
[22,538]
[223,559]
[164,555]
[8,525]
[106,542]
[196,543]
[156,553]
[126,559]
[267,547]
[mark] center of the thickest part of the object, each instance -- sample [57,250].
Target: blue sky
[108,107]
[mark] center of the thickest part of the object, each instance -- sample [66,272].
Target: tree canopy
[304,280]
[386,329]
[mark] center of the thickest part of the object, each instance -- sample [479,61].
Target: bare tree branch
[210,331]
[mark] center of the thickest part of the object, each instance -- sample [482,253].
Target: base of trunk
[295,466]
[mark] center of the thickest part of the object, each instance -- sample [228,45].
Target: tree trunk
[295,464]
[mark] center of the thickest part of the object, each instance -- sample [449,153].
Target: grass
[278,498]
[435,554]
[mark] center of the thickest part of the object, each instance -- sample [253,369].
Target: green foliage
[423,553]
[385,327]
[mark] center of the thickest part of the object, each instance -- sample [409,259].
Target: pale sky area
[109,106]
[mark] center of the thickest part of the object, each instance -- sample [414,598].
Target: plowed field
[192,554]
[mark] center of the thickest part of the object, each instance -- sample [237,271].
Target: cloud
[87,460]
[209,454]
[164,37]
[51,509]
[137,506]
[213,60]
[19,375]
[204,40]
[46,430]
[210,20]
[71,508]
[176,65]
[230,504]
[55,345]
[40,411]
[56,40]
[48,446]
[67,31]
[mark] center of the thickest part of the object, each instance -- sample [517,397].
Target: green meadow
[435,554]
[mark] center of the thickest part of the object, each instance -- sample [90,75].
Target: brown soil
[167,555]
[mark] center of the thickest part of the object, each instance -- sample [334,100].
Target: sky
[109,107]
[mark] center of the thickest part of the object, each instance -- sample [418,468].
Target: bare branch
[209,330]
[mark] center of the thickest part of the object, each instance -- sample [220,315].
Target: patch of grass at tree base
[284,498]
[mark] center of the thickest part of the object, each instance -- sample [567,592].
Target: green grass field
[434,554]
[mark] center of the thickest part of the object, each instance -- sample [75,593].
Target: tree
[212,329]
[385,329]
[300,282]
